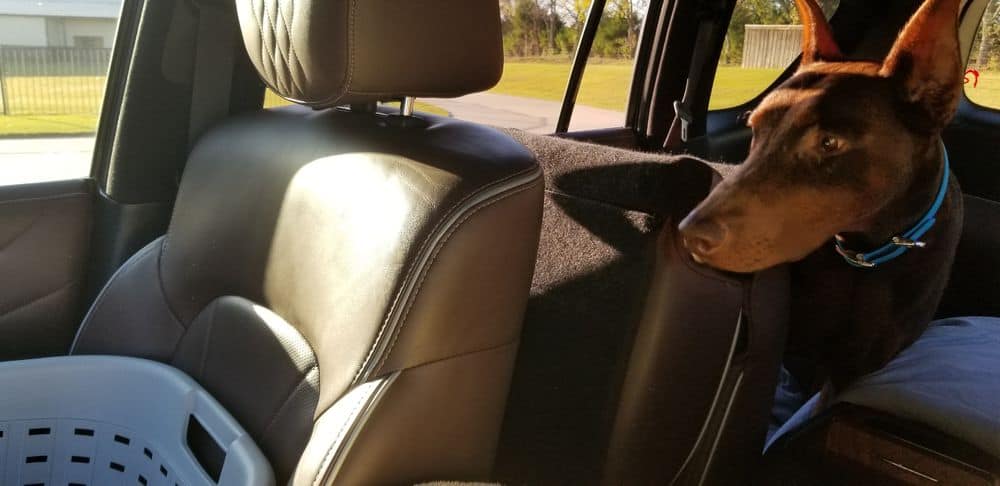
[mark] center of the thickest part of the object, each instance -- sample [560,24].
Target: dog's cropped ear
[817,36]
[927,63]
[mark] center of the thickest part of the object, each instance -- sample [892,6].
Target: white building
[59,23]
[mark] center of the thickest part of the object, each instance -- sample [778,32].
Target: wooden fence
[771,46]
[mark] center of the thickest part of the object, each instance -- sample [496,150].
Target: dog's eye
[830,144]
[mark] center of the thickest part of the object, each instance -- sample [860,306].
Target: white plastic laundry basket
[103,421]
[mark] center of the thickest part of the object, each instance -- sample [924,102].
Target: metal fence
[52,80]
[771,46]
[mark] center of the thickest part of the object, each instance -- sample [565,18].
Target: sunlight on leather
[356,209]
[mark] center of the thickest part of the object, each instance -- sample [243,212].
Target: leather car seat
[349,284]
[665,370]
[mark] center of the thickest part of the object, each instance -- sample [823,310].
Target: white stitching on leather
[351,425]
[430,263]
[265,61]
[416,267]
[291,46]
[425,267]
[715,399]
[352,31]
[279,59]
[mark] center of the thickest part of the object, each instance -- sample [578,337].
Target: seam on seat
[415,268]
[34,300]
[722,428]
[208,340]
[259,19]
[715,399]
[372,404]
[433,259]
[352,426]
[454,217]
[288,399]
[99,300]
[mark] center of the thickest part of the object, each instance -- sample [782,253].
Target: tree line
[534,28]
[986,46]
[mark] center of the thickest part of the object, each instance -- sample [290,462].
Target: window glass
[54,58]
[982,80]
[540,39]
[604,89]
[763,38]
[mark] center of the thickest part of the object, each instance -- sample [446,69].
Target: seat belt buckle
[683,114]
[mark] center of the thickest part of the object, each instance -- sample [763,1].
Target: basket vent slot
[205,449]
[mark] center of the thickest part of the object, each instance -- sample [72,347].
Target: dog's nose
[702,236]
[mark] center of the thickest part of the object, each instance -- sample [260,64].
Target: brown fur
[846,148]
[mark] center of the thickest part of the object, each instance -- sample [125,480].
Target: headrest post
[406,107]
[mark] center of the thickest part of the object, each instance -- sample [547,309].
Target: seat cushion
[949,379]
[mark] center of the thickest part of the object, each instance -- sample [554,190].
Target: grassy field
[605,85]
[272,100]
[988,91]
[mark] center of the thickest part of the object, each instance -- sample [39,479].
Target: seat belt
[212,78]
[683,116]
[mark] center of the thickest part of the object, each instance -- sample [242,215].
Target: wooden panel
[771,46]
[899,460]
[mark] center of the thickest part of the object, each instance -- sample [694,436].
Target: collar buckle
[856,259]
[907,243]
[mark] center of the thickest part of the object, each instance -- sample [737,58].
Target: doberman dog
[847,177]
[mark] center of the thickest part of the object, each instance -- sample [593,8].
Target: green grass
[988,91]
[18,125]
[605,85]
[734,85]
[58,105]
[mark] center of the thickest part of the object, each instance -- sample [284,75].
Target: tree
[989,34]
[552,27]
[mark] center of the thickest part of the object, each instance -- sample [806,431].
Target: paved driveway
[33,159]
[538,116]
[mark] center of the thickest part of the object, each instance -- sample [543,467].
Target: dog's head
[833,145]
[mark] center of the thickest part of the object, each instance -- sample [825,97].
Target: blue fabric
[949,379]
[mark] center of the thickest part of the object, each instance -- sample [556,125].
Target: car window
[54,58]
[763,38]
[540,39]
[982,79]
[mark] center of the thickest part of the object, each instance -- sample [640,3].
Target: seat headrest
[324,53]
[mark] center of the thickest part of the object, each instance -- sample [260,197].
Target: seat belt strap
[683,116]
[213,68]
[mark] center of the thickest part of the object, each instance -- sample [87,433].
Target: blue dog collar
[902,243]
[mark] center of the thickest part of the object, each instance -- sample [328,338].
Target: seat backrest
[350,285]
[637,365]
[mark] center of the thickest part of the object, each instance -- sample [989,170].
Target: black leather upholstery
[665,370]
[378,248]
[311,253]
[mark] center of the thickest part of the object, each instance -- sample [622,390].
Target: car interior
[380,295]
